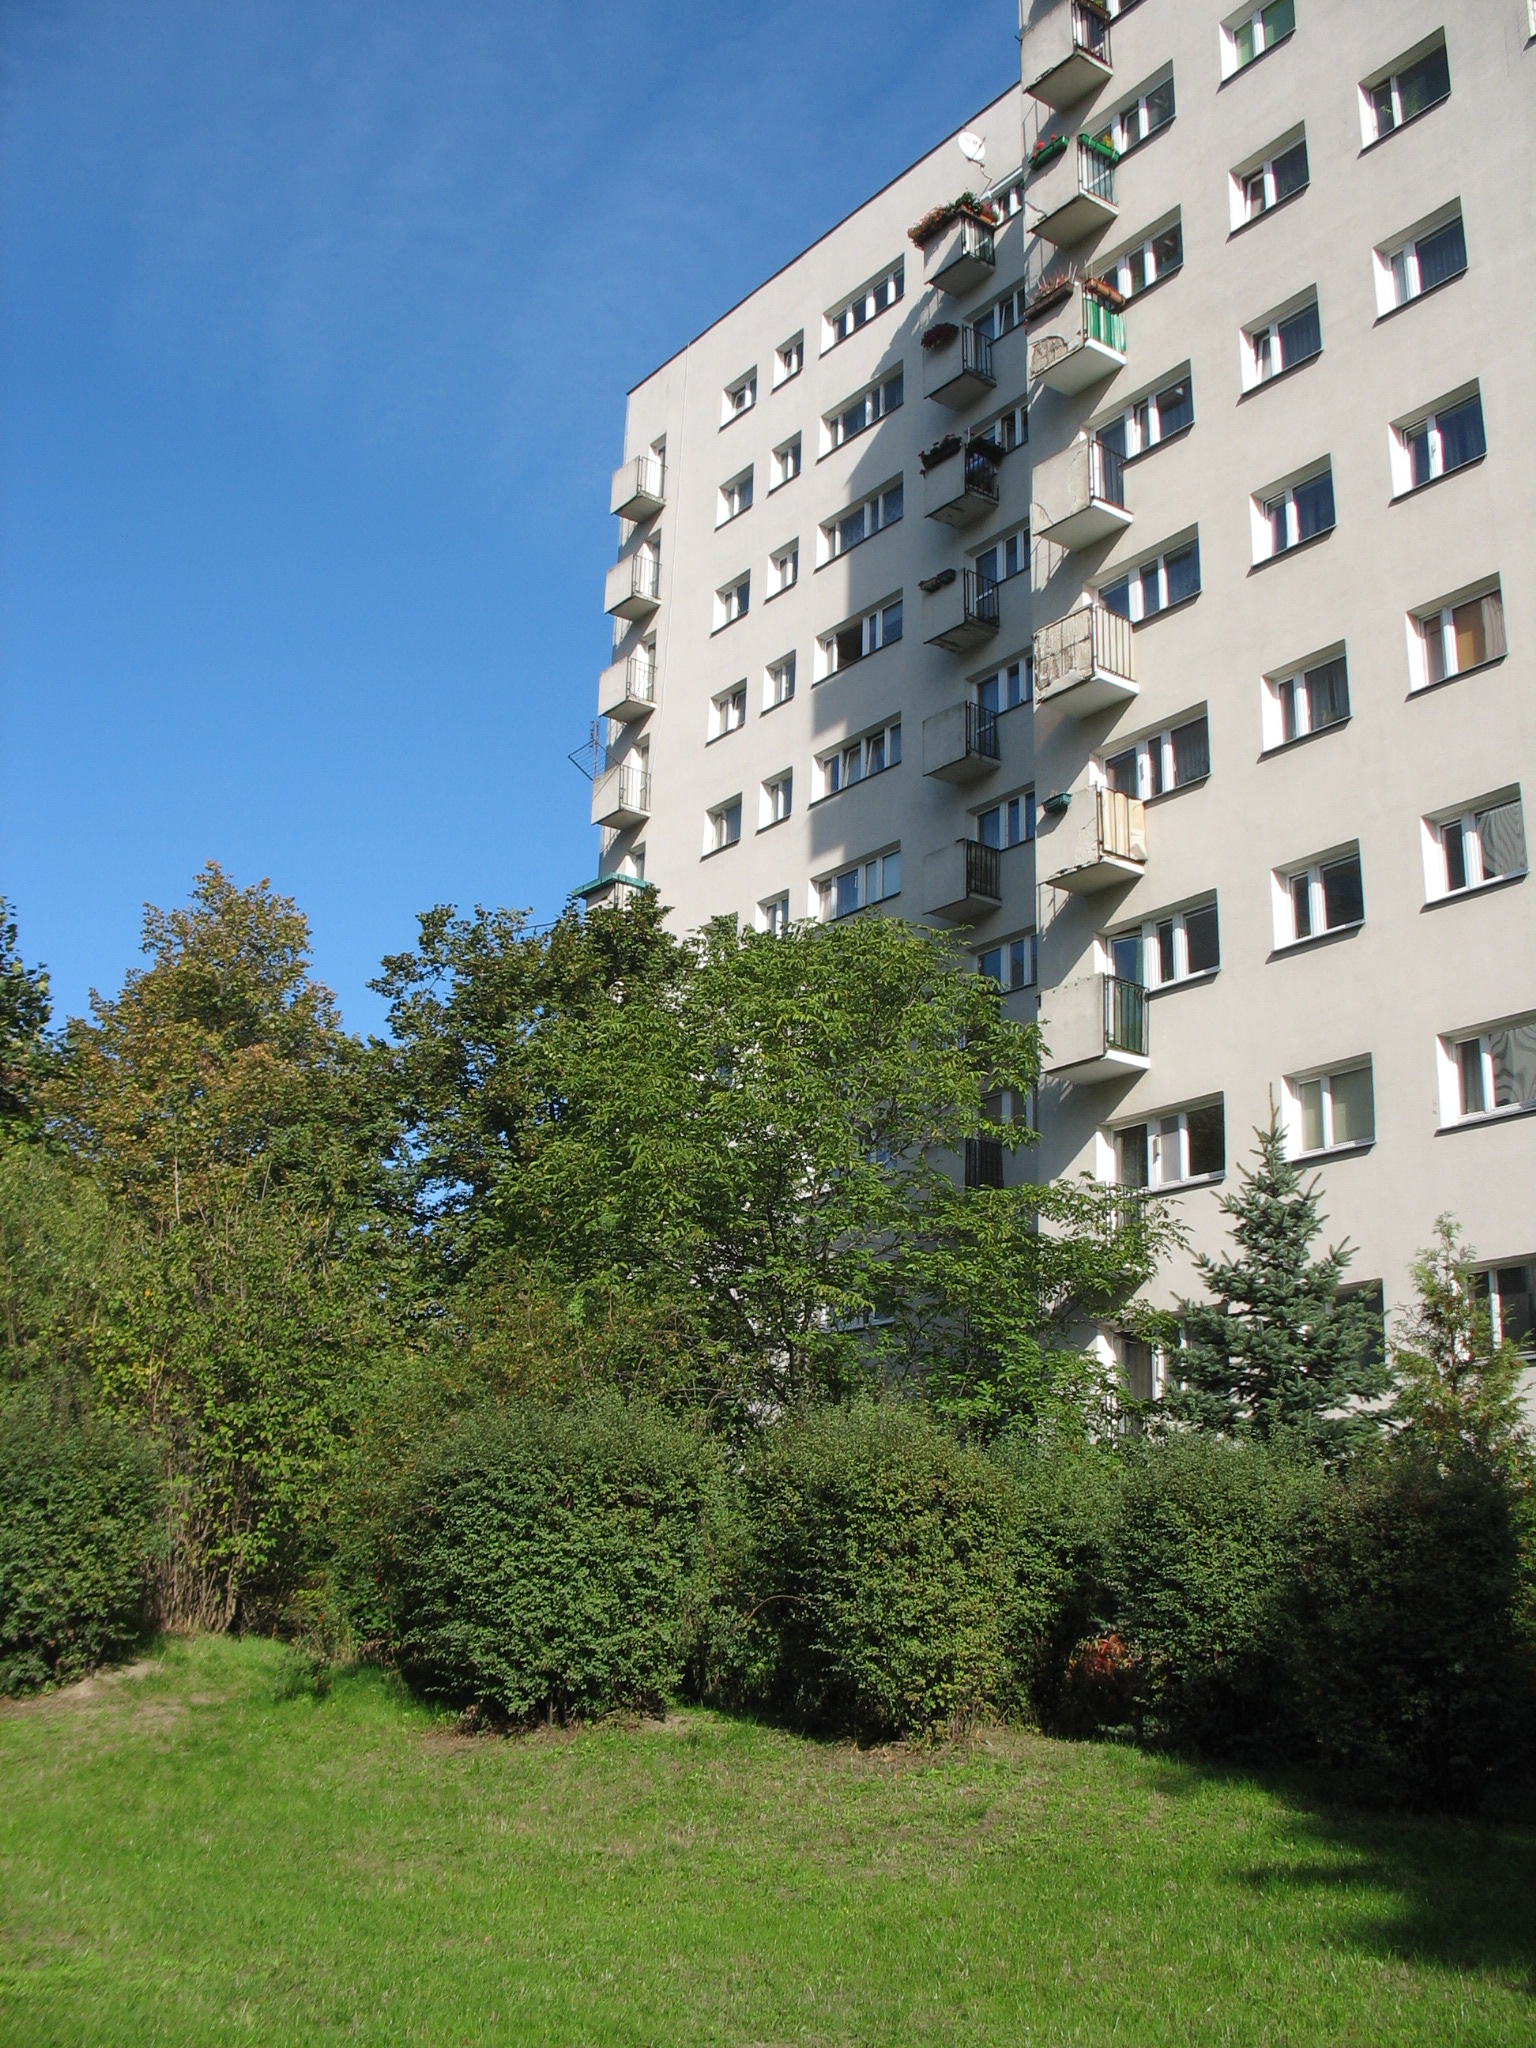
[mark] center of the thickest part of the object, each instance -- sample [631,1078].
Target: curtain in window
[1513,1052]
[1314,506]
[1442,255]
[1191,751]
[1461,434]
[1327,690]
[1290,172]
[1183,573]
[1424,83]
[1501,834]
[1300,336]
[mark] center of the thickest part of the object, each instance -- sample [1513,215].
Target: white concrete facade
[1259,388]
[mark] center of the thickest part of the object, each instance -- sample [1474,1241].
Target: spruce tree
[1278,1348]
[1456,1389]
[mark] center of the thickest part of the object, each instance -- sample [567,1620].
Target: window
[867,881]
[861,412]
[732,601]
[1285,516]
[1424,257]
[1006,557]
[1011,964]
[722,828]
[786,462]
[866,303]
[728,711]
[777,801]
[1467,849]
[1327,1112]
[1168,579]
[1280,341]
[1488,1072]
[1325,897]
[1188,1145]
[1437,443]
[1508,1292]
[1001,318]
[860,637]
[735,498]
[870,753]
[773,916]
[1163,761]
[778,682]
[1249,34]
[788,360]
[1451,637]
[861,522]
[1008,687]
[1261,187]
[784,568]
[1181,945]
[1140,118]
[739,397]
[1305,701]
[1418,83]
[1146,421]
[1148,261]
[1010,823]
[1009,430]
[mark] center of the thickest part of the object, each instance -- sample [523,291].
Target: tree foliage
[1456,1389]
[25,1008]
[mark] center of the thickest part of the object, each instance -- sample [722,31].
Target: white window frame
[773,915]
[1282,882]
[1449,1057]
[1157,565]
[1441,829]
[1118,269]
[1371,131]
[1012,551]
[1261,358]
[833,434]
[1155,758]
[1240,181]
[1441,619]
[739,396]
[850,316]
[784,568]
[1293,1109]
[776,803]
[789,359]
[1289,686]
[731,505]
[833,772]
[1170,1127]
[1012,683]
[1251,18]
[1123,134]
[1142,417]
[787,458]
[1395,263]
[1489,1275]
[1149,931]
[1282,496]
[717,826]
[733,601]
[875,632]
[830,547]
[1017,961]
[779,682]
[876,871]
[727,711]
[1405,431]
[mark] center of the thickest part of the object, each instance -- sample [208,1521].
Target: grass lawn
[185,1857]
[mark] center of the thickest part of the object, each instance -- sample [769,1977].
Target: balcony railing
[983,869]
[1095,173]
[1106,475]
[983,1163]
[640,678]
[978,593]
[1125,1016]
[981,732]
[645,575]
[1102,323]
[976,354]
[1090,31]
[639,487]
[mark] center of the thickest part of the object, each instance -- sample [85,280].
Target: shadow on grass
[1410,1888]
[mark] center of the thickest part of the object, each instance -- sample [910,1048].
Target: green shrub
[868,1586]
[1199,1571]
[79,1503]
[541,1561]
[1410,1671]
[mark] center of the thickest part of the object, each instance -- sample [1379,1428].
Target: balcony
[633,589]
[1074,187]
[1076,339]
[1095,1029]
[960,610]
[622,796]
[960,487]
[958,255]
[627,689]
[1086,662]
[612,891]
[960,744]
[1090,839]
[1081,495]
[1071,47]
[639,488]
[957,364]
[983,1162]
[962,880]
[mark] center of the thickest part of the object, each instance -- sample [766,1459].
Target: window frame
[783,568]
[739,397]
[780,471]
[718,837]
[1262,167]
[783,371]
[1116,269]
[825,892]
[1184,1178]
[829,532]
[829,769]
[1293,1109]
[1135,584]
[1018,961]
[776,802]
[1142,411]
[1148,932]
[774,674]
[1428,421]
[833,434]
[1451,1047]
[1465,820]
[721,724]
[728,612]
[1268,327]
[1283,495]
[1017,819]
[729,508]
[1444,614]
[1113,129]
[1293,679]
[1283,898]
[833,334]
[773,915]
[1252,18]
[1152,784]
[875,634]
[1386,255]
[1371,132]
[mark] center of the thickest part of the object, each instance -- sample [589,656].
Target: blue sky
[315,329]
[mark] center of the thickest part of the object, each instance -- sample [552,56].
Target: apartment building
[1116,541]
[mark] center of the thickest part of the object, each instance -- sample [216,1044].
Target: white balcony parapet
[621,796]
[957,244]
[1080,495]
[639,488]
[1068,51]
[962,880]
[1089,838]
[626,689]
[1086,661]
[1095,1029]
[1076,336]
[1071,179]
[633,587]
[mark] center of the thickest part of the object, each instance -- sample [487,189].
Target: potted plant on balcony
[940,334]
[984,211]
[1046,151]
[1101,148]
[941,451]
[929,584]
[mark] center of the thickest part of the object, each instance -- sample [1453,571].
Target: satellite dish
[973,147]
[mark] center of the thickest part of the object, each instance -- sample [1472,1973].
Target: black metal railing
[1090,31]
[628,790]
[640,679]
[983,869]
[645,575]
[976,354]
[980,476]
[978,595]
[1106,475]
[983,1163]
[1112,643]
[1095,174]
[981,732]
[1125,1016]
[976,240]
